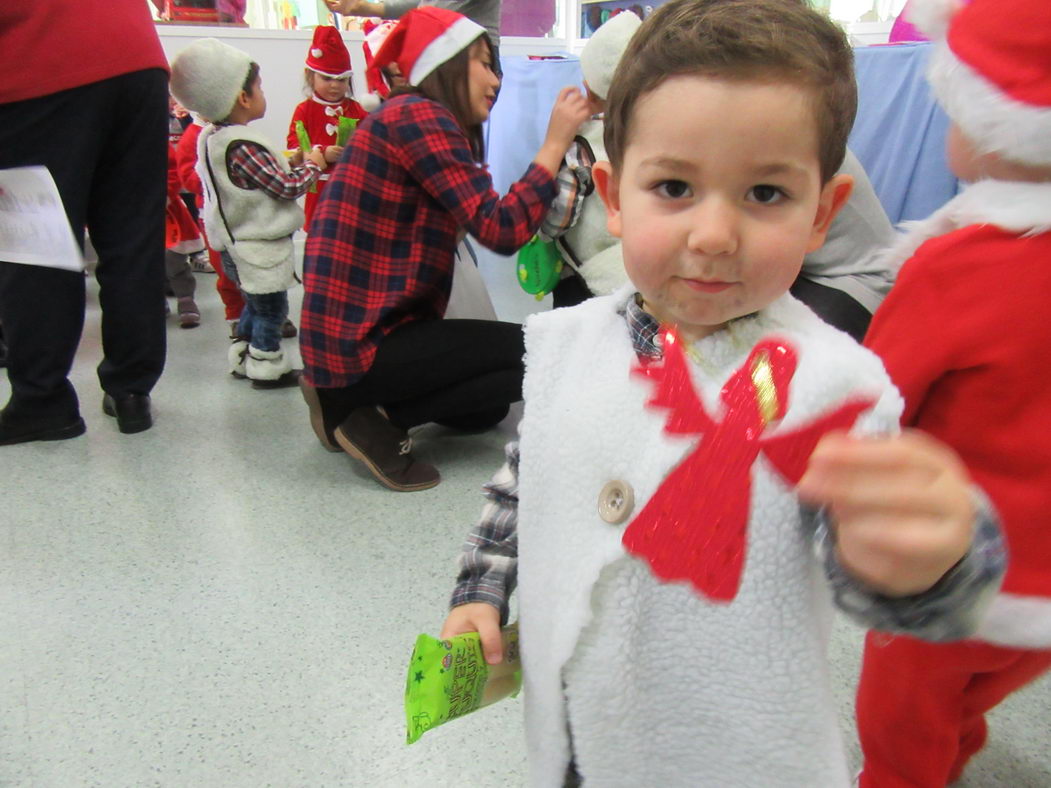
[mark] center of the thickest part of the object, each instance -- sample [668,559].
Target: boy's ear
[243,99]
[609,190]
[834,196]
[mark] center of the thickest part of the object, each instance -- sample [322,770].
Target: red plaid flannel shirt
[384,234]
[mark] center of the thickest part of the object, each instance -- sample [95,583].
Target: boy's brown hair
[773,41]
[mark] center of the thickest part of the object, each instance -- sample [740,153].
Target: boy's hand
[296,159]
[479,617]
[332,153]
[317,156]
[901,507]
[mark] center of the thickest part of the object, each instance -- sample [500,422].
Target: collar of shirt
[644,329]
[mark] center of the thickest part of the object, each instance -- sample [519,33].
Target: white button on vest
[616,502]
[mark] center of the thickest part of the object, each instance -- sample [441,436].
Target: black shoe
[317,416]
[286,381]
[37,431]
[132,412]
[288,329]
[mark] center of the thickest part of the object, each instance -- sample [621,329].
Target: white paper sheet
[33,225]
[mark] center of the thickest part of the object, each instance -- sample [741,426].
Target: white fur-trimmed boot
[270,369]
[236,355]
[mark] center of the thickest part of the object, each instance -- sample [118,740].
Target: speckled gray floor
[218,601]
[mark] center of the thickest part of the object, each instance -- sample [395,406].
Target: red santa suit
[329,57]
[321,120]
[963,335]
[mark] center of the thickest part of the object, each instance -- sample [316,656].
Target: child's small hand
[317,156]
[901,506]
[479,617]
[570,110]
[332,153]
[296,159]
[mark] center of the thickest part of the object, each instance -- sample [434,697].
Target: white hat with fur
[602,52]
[208,76]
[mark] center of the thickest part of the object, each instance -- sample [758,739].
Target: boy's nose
[713,229]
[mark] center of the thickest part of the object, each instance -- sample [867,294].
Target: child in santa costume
[327,82]
[250,207]
[675,593]
[964,334]
[181,238]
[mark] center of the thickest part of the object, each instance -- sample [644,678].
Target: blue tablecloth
[899,133]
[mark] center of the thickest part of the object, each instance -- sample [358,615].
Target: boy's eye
[672,189]
[766,194]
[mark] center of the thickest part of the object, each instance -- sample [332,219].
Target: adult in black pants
[95,114]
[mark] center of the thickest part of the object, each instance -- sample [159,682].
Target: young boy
[964,335]
[649,457]
[250,207]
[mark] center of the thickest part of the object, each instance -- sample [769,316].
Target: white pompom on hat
[328,54]
[991,71]
[425,38]
[603,50]
[208,76]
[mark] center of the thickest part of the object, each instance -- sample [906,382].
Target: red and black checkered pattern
[382,240]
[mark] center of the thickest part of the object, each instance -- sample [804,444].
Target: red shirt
[48,46]
[964,335]
[380,251]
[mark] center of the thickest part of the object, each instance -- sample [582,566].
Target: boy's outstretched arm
[489,564]
[909,543]
[901,508]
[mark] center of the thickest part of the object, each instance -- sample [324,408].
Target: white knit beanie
[208,76]
[602,52]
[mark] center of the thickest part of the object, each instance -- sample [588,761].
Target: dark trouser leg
[126,220]
[180,276]
[268,311]
[445,370]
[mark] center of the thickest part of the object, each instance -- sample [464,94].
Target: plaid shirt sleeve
[489,562]
[949,610]
[436,152]
[574,184]
[254,167]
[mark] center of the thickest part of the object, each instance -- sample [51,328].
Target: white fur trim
[236,356]
[1020,621]
[369,102]
[457,36]
[931,16]
[340,75]
[993,121]
[1023,208]
[266,364]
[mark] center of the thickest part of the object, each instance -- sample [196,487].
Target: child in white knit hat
[250,208]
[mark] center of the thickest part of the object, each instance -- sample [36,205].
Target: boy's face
[718,198]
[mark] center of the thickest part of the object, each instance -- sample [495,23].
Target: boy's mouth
[707,285]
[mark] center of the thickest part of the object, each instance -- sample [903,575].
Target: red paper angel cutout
[695,526]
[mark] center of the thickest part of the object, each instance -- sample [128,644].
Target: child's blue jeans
[263,315]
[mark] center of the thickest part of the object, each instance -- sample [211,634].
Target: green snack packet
[539,266]
[346,126]
[450,678]
[304,145]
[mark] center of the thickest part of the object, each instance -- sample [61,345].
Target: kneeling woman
[378,358]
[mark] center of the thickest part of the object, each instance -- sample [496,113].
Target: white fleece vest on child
[254,227]
[660,686]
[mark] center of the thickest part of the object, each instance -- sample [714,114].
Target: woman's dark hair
[447,85]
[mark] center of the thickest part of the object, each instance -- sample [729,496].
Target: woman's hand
[570,110]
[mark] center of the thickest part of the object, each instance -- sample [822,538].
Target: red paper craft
[694,527]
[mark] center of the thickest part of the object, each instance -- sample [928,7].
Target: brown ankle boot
[386,450]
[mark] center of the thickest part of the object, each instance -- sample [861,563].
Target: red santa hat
[425,38]
[328,54]
[375,34]
[991,70]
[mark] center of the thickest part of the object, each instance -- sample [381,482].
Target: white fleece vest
[261,226]
[1011,619]
[661,686]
